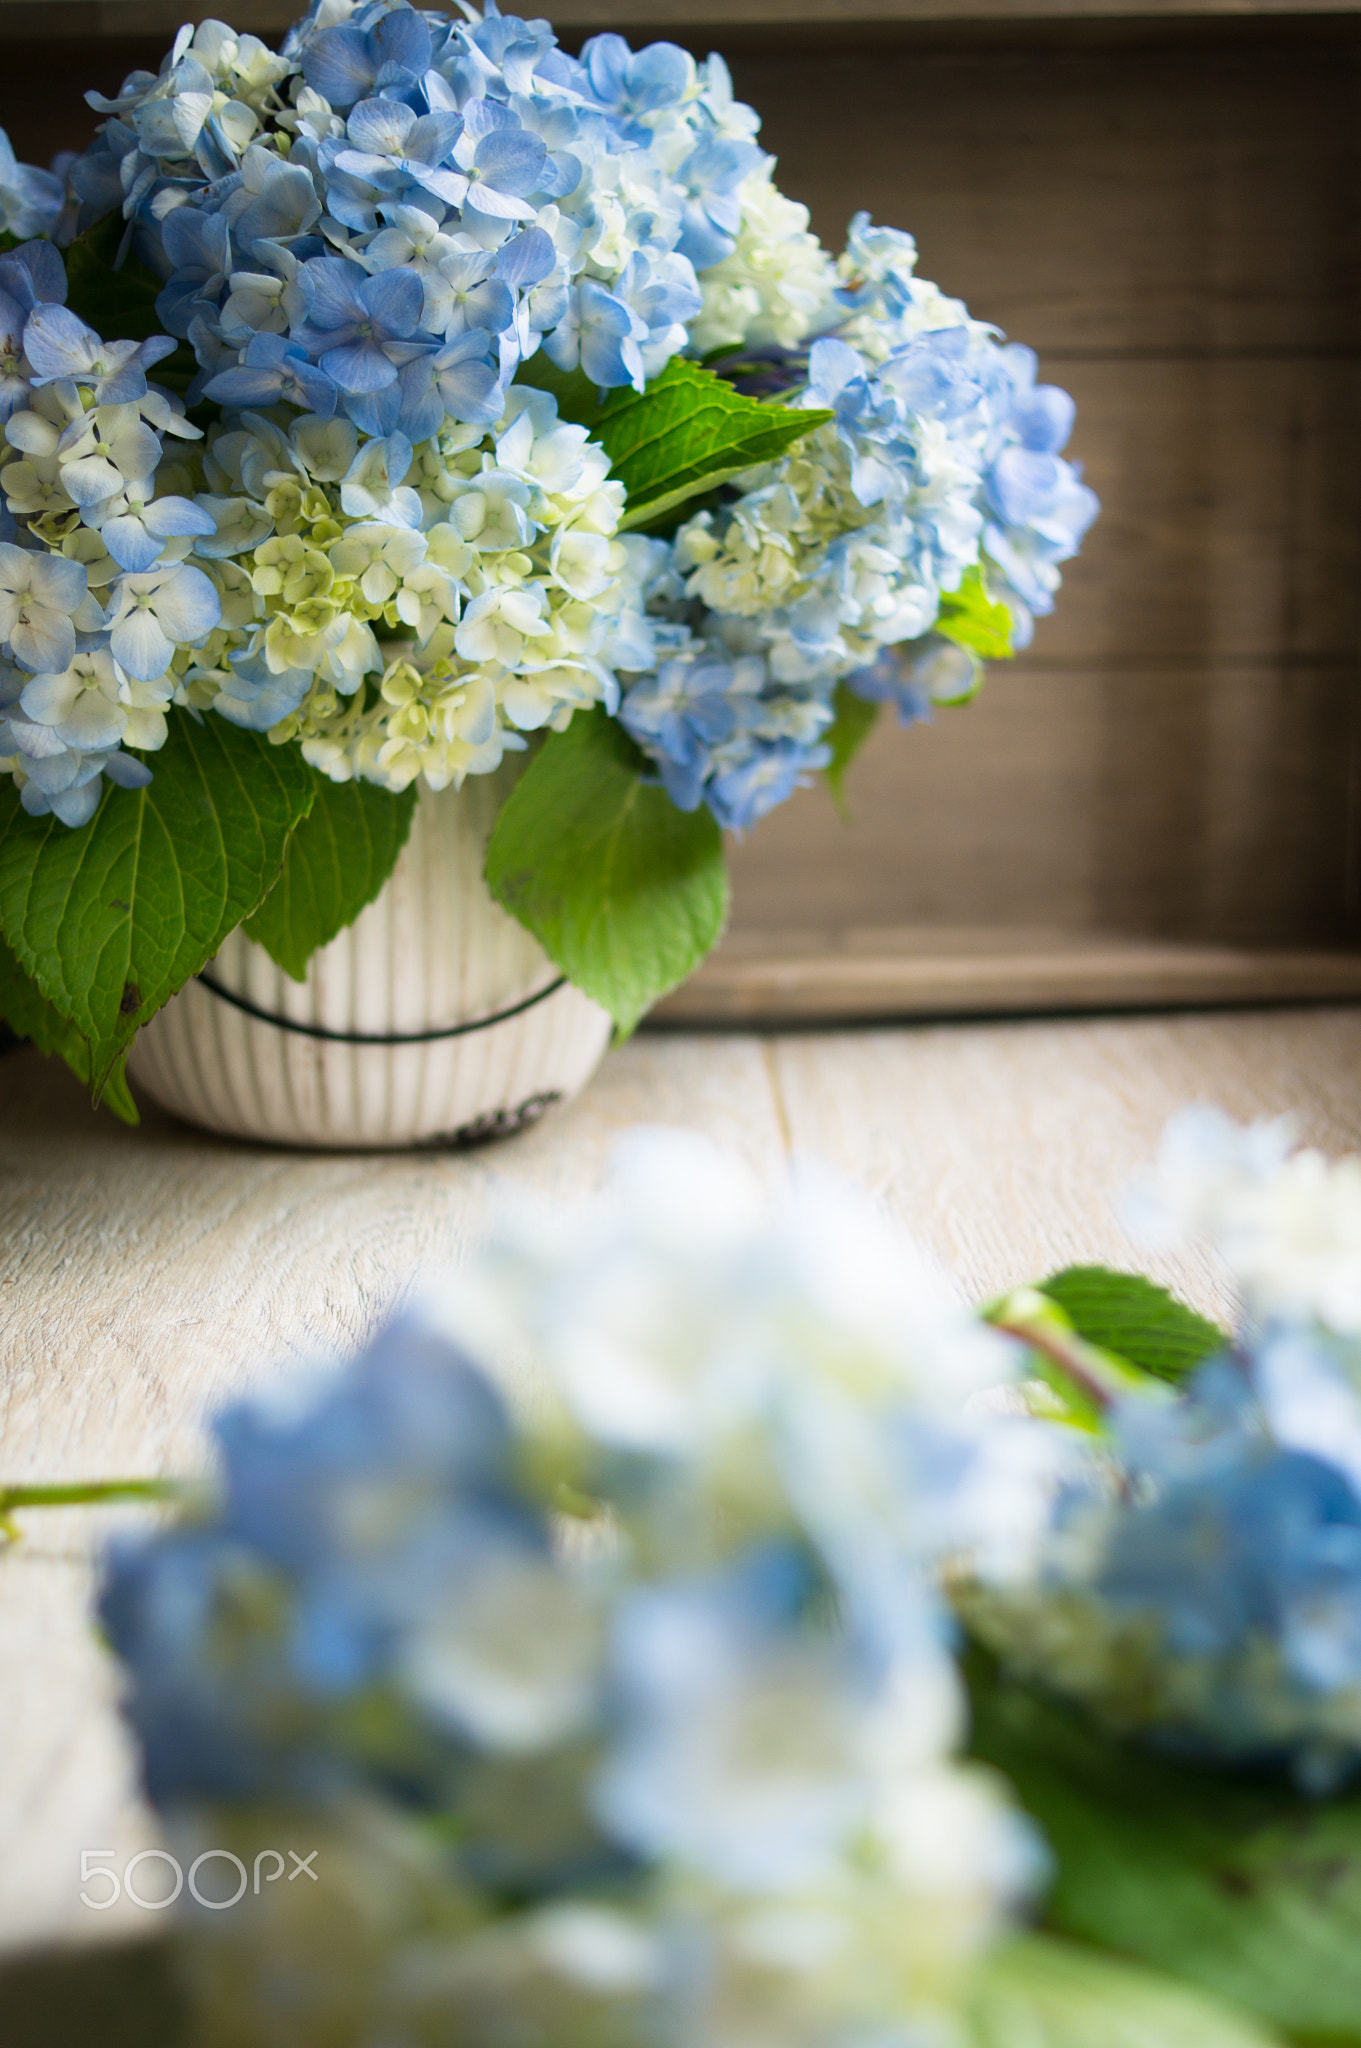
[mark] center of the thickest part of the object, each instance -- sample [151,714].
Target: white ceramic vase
[434,1019]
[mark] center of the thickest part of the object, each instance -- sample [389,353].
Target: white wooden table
[146,1275]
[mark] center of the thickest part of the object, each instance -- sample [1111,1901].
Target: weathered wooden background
[1170,212]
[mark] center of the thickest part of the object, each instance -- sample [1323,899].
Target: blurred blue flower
[773,769]
[631,84]
[678,717]
[257,697]
[33,275]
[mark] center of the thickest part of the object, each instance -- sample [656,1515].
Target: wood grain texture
[1211,805]
[146,1276]
[1176,226]
[123,18]
[878,973]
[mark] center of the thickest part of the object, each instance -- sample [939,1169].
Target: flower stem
[1089,1379]
[84,1493]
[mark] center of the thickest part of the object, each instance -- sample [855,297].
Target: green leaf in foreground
[686,433]
[853,721]
[111,919]
[1239,1885]
[29,1015]
[1041,1993]
[338,859]
[1135,1320]
[624,891]
[974,620]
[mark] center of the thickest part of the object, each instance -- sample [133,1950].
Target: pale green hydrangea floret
[422,649]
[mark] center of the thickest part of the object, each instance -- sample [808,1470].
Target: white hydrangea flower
[775,290]
[1287,1223]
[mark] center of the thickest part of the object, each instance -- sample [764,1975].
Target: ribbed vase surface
[433,962]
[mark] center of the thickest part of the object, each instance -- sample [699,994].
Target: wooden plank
[1005,1148]
[1231,496]
[1203,805]
[109,18]
[1171,198]
[784,978]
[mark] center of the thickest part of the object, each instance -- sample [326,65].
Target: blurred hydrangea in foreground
[587,1626]
[1201,1581]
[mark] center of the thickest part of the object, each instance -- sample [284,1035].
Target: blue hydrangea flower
[30,200]
[273,369]
[154,611]
[1210,1602]
[599,334]
[345,63]
[710,207]
[59,345]
[361,329]
[397,153]
[532,1674]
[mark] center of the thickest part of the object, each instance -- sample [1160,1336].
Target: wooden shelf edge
[45,20]
[771,987]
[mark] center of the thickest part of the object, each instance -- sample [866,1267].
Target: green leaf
[623,890]
[1041,1993]
[1133,1319]
[686,433]
[1084,1382]
[29,1014]
[111,919]
[974,620]
[121,304]
[1234,1883]
[338,859]
[851,726]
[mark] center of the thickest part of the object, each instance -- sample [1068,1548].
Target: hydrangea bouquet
[421,395]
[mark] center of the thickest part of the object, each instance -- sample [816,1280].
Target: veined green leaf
[109,920]
[688,432]
[1084,1381]
[974,620]
[623,890]
[1240,1885]
[1133,1319]
[337,860]
[29,1014]
[853,721]
[1040,1993]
